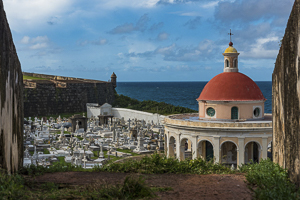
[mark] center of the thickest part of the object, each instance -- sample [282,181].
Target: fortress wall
[286,99]
[48,99]
[11,100]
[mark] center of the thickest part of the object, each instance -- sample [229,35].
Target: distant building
[231,125]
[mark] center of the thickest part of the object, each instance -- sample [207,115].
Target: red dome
[231,86]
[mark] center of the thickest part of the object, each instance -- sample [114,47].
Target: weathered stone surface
[286,99]
[11,100]
[59,94]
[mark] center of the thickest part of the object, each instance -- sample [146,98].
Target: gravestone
[11,100]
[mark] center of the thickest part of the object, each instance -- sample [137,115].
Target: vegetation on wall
[33,78]
[149,106]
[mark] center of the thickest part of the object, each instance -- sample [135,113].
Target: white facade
[95,110]
[140,115]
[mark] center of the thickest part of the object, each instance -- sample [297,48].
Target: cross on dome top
[230,43]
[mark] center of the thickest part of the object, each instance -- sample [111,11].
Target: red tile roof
[231,86]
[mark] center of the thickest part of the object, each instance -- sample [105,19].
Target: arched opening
[205,150]
[229,153]
[172,147]
[235,63]
[227,63]
[185,149]
[252,152]
[234,113]
[270,151]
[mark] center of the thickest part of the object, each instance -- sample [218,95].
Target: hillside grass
[161,108]
[33,78]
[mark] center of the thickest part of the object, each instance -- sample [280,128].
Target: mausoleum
[231,125]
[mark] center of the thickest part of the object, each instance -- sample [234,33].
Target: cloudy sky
[146,40]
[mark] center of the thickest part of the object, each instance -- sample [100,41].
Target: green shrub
[158,164]
[269,181]
[149,106]
[11,186]
[132,188]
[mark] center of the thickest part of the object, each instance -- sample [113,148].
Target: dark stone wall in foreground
[286,99]
[11,100]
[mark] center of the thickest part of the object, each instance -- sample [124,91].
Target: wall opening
[234,113]
[185,149]
[252,152]
[205,150]
[229,153]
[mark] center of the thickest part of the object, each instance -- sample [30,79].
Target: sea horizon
[179,93]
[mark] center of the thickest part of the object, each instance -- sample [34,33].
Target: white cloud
[258,49]
[113,4]
[162,36]
[38,46]
[24,13]
[39,42]
[39,39]
[25,40]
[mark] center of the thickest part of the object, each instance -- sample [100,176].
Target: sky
[146,40]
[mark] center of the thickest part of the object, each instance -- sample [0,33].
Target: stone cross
[129,124]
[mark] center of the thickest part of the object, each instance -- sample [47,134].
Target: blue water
[179,93]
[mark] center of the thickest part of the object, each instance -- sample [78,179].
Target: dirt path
[185,186]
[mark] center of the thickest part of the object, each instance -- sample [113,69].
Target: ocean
[179,93]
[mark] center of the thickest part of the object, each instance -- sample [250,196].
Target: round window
[210,111]
[256,112]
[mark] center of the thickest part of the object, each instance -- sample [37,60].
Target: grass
[16,187]
[158,164]
[33,78]
[46,151]
[65,132]
[266,179]
[114,158]
[80,138]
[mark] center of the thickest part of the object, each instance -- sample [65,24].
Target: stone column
[194,147]
[264,148]
[241,151]
[216,143]
[182,153]
[178,146]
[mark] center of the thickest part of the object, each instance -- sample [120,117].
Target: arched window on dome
[234,113]
[235,63]
[226,63]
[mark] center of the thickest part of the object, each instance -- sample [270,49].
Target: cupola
[231,59]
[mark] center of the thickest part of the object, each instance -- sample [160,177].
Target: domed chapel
[231,126]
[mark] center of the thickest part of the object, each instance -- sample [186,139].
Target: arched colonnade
[226,150]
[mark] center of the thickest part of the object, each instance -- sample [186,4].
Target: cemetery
[89,142]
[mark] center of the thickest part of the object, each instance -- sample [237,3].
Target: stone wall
[286,96]
[136,114]
[11,100]
[58,95]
